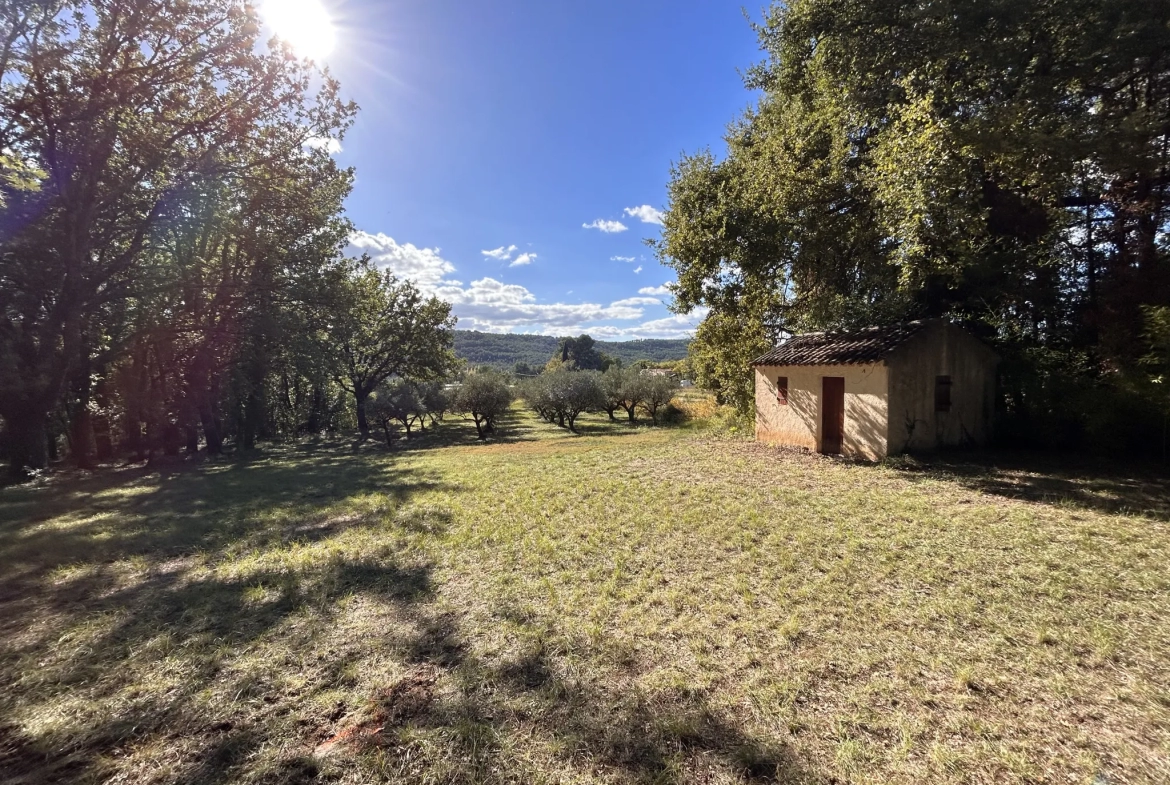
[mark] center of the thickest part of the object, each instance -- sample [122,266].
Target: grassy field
[629,605]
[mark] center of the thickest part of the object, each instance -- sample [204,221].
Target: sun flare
[304,24]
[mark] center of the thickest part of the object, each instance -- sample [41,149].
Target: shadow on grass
[669,736]
[195,625]
[455,431]
[1074,481]
[445,721]
[161,512]
[224,675]
[514,427]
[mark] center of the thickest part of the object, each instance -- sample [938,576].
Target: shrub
[672,414]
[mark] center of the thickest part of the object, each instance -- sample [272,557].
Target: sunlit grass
[630,605]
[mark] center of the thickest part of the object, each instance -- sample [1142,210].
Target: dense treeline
[171,237]
[504,351]
[1002,163]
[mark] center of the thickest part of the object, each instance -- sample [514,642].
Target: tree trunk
[315,407]
[172,439]
[81,424]
[211,430]
[134,441]
[51,446]
[363,424]
[255,424]
[103,445]
[253,419]
[81,435]
[28,438]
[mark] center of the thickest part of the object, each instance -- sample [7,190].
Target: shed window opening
[942,393]
[782,390]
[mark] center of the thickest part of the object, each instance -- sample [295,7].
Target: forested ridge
[504,350]
[999,163]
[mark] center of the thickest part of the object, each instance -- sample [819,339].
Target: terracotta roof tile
[845,347]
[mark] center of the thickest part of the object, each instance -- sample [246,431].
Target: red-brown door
[832,414]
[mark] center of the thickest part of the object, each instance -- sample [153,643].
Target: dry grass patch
[632,605]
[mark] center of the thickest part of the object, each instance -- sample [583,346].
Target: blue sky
[509,126]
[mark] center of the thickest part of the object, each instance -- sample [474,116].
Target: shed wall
[945,351]
[799,423]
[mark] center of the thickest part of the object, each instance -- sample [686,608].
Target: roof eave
[755,364]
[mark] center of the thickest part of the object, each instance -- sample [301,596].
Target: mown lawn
[632,605]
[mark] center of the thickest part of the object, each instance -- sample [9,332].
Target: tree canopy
[387,328]
[1002,164]
[581,354]
[172,238]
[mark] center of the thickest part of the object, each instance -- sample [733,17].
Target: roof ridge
[857,345]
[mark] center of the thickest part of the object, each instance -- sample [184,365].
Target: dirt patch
[387,708]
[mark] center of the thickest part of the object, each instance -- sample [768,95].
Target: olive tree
[577,392]
[400,401]
[561,396]
[485,396]
[435,400]
[657,392]
[612,382]
[631,392]
[538,395]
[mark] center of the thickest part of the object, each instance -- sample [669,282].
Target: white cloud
[523,259]
[424,266]
[622,259]
[646,214]
[660,291]
[328,143]
[637,269]
[493,306]
[676,326]
[609,227]
[501,253]
[633,301]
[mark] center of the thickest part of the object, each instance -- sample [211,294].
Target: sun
[304,24]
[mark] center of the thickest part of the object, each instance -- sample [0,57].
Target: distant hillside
[503,351]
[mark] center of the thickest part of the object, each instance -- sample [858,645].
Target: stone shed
[877,391]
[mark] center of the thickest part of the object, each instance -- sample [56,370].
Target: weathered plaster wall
[942,351]
[799,423]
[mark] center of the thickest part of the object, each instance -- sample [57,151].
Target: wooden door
[832,414]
